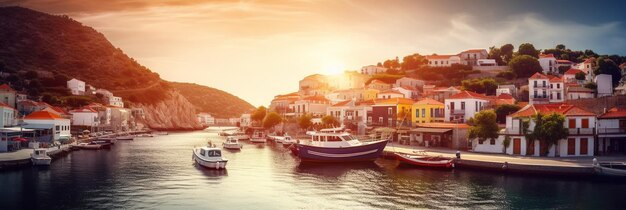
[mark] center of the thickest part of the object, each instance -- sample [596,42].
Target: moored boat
[258,137]
[160,133]
[103,143]
[125,138]
[107,140]
[209,157]
[40,157]
[288,141]
[88,146]
[338,147]
[613,169]
[240,135]
[232,143]
[145,135]
[424,160]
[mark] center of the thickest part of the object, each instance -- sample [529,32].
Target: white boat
[258,137]
[160,133]
[614,169]
[240,135]
[209,157]
[145,135]
[125,137]
[232,143]
[91,146]
[287,141]
[39,157]
[331,146]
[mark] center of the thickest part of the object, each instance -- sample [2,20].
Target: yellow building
[369,94]
[402,107]
[427,111]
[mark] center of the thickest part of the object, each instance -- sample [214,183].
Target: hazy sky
[258,49]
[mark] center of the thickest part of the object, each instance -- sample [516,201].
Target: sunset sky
[258,49]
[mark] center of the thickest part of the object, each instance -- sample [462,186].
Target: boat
[288,141]
[39,157]
[103,143]
[424,160]
[160,133]
[240,135]
[337,147]
[613,169]
[89,146]
[108,140]
[209,157]
[258,137]
[125,137]
[232,143]
[145,135]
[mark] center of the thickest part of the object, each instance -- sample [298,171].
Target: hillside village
[421,110]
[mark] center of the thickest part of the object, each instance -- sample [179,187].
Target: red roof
[468,95]
[564,61]
[560,108]
[42,115]
[84,109]
[391,91]
[573,71]
[395,101]
[316,98]
[378,82]
[614,113]
[6,87]
[556,79]
[428,101]
[505,96]
[343,103]
[58,109]
[474,51]
[439,56]
[589,60]
[6,106]
[538,75]
[546,56]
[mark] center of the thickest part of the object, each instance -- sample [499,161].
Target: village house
[508,89]
[58,111]
[387,94]
[410,82]
[545,89]
[612,132]
[564,63]
[440,93]
[8,95]
[449,135]
[358,94]
[557,89]
[464,105]
[85,117]
[379,85]
[408,91]
[502,99]
[570,76]
[104,115]
[604,85]
[314,105]
[312,82]
[548,63]
[580,142]
[392,112]
[443,60]
[281,103]
[472,56]
[205,119]
[347,80]
[120,118]
[245,120]
[372,69]
[76,86]
[587,66]
[428,110]
[8,115]
[49,126]
[351,115]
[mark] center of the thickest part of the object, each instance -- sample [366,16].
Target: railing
[612,131]
[581,131]
[540,97]
[540,86]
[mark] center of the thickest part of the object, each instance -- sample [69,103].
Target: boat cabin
[210,152]
[333,139]
[232,140]
[40,153]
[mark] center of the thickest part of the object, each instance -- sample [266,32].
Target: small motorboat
[232,143]
[125,138]
[258,137]
[107,140]
[240,135]
[160,133]
[209,157]
[39,157]
[145,135]
[424,160]
[288,141]
[103,144]
[88,146]
[613,169]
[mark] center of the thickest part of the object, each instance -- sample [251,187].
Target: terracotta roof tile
[560,108]
[6,87]
[343,103]
[538,76]
[42,115]
[572,71]
[614,113]
[474,51]
[428,101]
[439,56]
[469,95]
[546,56]
[395,101]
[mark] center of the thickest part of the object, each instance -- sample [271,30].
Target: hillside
[213,101]
[39,52]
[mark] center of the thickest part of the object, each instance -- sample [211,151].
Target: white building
[410,82]
[548,63]
[77,87]
[116,101]
[85,117]
[387,94]
[372,69]
[408,91]
[52,126]
[464,105]
[545,89]
[604,84]
[205,119]
[245,120]
[314,105]
[570,76]
[612,132]
[443,60]
[7,119]
[578,92]
[557,89]
[587,67]
[472,57]
[580,142]
[487,62]
[350,113]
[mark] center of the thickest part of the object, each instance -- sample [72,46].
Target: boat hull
[41,161]
[210,164]
[89,147]
[611,172]
[233,146]
[426,161]
[258,140]
[361,153]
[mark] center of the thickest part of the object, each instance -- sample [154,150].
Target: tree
[580,75]
[272,119]
[496,54]
[413,61]
[505,109]
[483,126]
[528,49]
[560,46]
[509,75]
[507,52]
[591,85]
[524,65]
[31,75]
[607,66]
[259,114]
[563,69]
[304,121]
[549,129]
[330,121]
[484,85]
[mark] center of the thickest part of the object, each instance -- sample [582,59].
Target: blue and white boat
[337,147]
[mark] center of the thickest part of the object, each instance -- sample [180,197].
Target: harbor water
[158,173]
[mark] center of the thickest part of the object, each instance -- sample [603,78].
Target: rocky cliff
[173,112]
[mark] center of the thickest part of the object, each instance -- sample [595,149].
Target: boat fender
[453,165]
[595,161]
[505,165]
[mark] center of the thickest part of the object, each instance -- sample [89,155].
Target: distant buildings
[443,60]
[464,105]
[50,126]
[473,56]
[85,117]
[76,87]
[372,69]
[548,63]
[205,119]
[7,95]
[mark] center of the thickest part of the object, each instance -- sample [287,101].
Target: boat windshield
[215,153]
[348,137]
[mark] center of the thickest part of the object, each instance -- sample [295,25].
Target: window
[551,86]
[572,123]
[535,82]
[390,111]
[585,123]
[423,112]
[452,106]
[57,128]
[202,152]
[544,84]
[584,146]
[558,96]
[476,106]
[431,112]
[390,122]
[558,85]
[417,112]
[535,94]
[380,120]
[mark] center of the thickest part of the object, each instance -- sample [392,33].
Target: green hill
[216,102]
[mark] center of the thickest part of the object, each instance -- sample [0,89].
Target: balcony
[581,131]
[612,131]
[540,98]
[540,86]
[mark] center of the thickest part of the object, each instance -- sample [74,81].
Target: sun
[333,68]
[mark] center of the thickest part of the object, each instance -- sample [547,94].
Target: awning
[20,139]
[430,130]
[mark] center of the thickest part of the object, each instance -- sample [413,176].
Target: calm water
[158,173]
